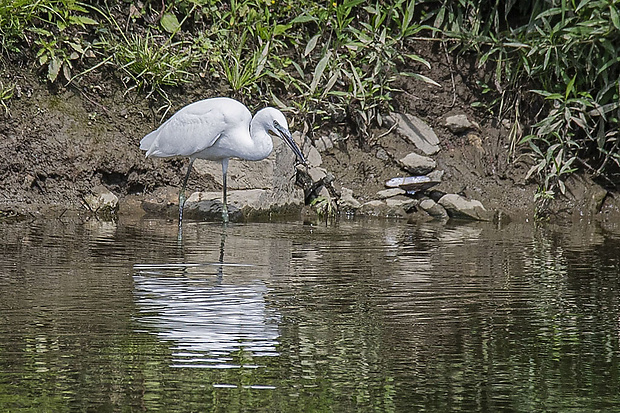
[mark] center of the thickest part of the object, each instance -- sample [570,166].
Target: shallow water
[284,317]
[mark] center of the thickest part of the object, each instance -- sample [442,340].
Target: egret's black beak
[288,138]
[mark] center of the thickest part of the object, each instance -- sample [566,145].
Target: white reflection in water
[207,320]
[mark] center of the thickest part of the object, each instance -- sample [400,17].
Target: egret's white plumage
[218,129]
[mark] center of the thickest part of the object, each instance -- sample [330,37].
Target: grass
[338,60]
[561,59]
[6,93]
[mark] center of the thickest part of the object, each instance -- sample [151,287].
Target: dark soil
[58,143]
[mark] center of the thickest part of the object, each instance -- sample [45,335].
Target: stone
[585,195]
[29,181]
[460,207]
[412,184]
[387,209]
[436,175]
[313,157]
[433,209]
[324,143]
[417,132]
[459,123]
[404,202]
[242,204]
[390,192]
[317,173]
[417,164]
[324,193]
[382,154]
[162,201]
[347,201]
[101,201]
[373,208]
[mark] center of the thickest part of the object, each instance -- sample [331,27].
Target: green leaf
[534,168]
[170,23]
[82,20]
[66,71]
[570,86]
[613,13]
[421,77]
[280,29]
[318,71]
[331,82]
[304,18]
[311,44]
[419,60]
[76,46]
[440,16]
[562,187]
[53,68]
[516,44]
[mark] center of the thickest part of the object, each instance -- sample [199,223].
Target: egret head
[279,127]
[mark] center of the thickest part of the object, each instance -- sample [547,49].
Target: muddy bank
[56,145]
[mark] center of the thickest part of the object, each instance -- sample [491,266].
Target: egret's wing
[193,129]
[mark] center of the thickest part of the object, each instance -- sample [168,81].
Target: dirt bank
[58,143]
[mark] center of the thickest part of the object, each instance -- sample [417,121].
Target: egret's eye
[276,124]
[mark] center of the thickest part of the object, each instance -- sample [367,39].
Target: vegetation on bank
[552,65]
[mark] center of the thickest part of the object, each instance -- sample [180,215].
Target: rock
[475,140]
[324,193]
[317,173]
[417,164]
[417,132]
[324,143]
[29,181]
[390,208]
[373,208]
[313,157]
[382,154]
[460,207]
[412,183]
[390,192]
[101,201]
[433,209]
[347,202]
[242,204]
[163,201]
[459,123]
[585,196]
[401,201]
[436,175]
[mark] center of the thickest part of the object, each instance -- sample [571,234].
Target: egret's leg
[182,191]
[225,205]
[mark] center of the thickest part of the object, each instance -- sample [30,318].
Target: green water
[358,316]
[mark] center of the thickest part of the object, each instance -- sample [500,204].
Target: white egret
[218,129]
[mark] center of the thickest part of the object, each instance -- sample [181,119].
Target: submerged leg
[225,205]
[182,191]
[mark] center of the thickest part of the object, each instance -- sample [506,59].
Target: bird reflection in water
[207,315]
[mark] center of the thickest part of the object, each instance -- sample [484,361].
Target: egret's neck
[261,141]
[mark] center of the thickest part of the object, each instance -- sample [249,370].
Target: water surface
[285,317]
